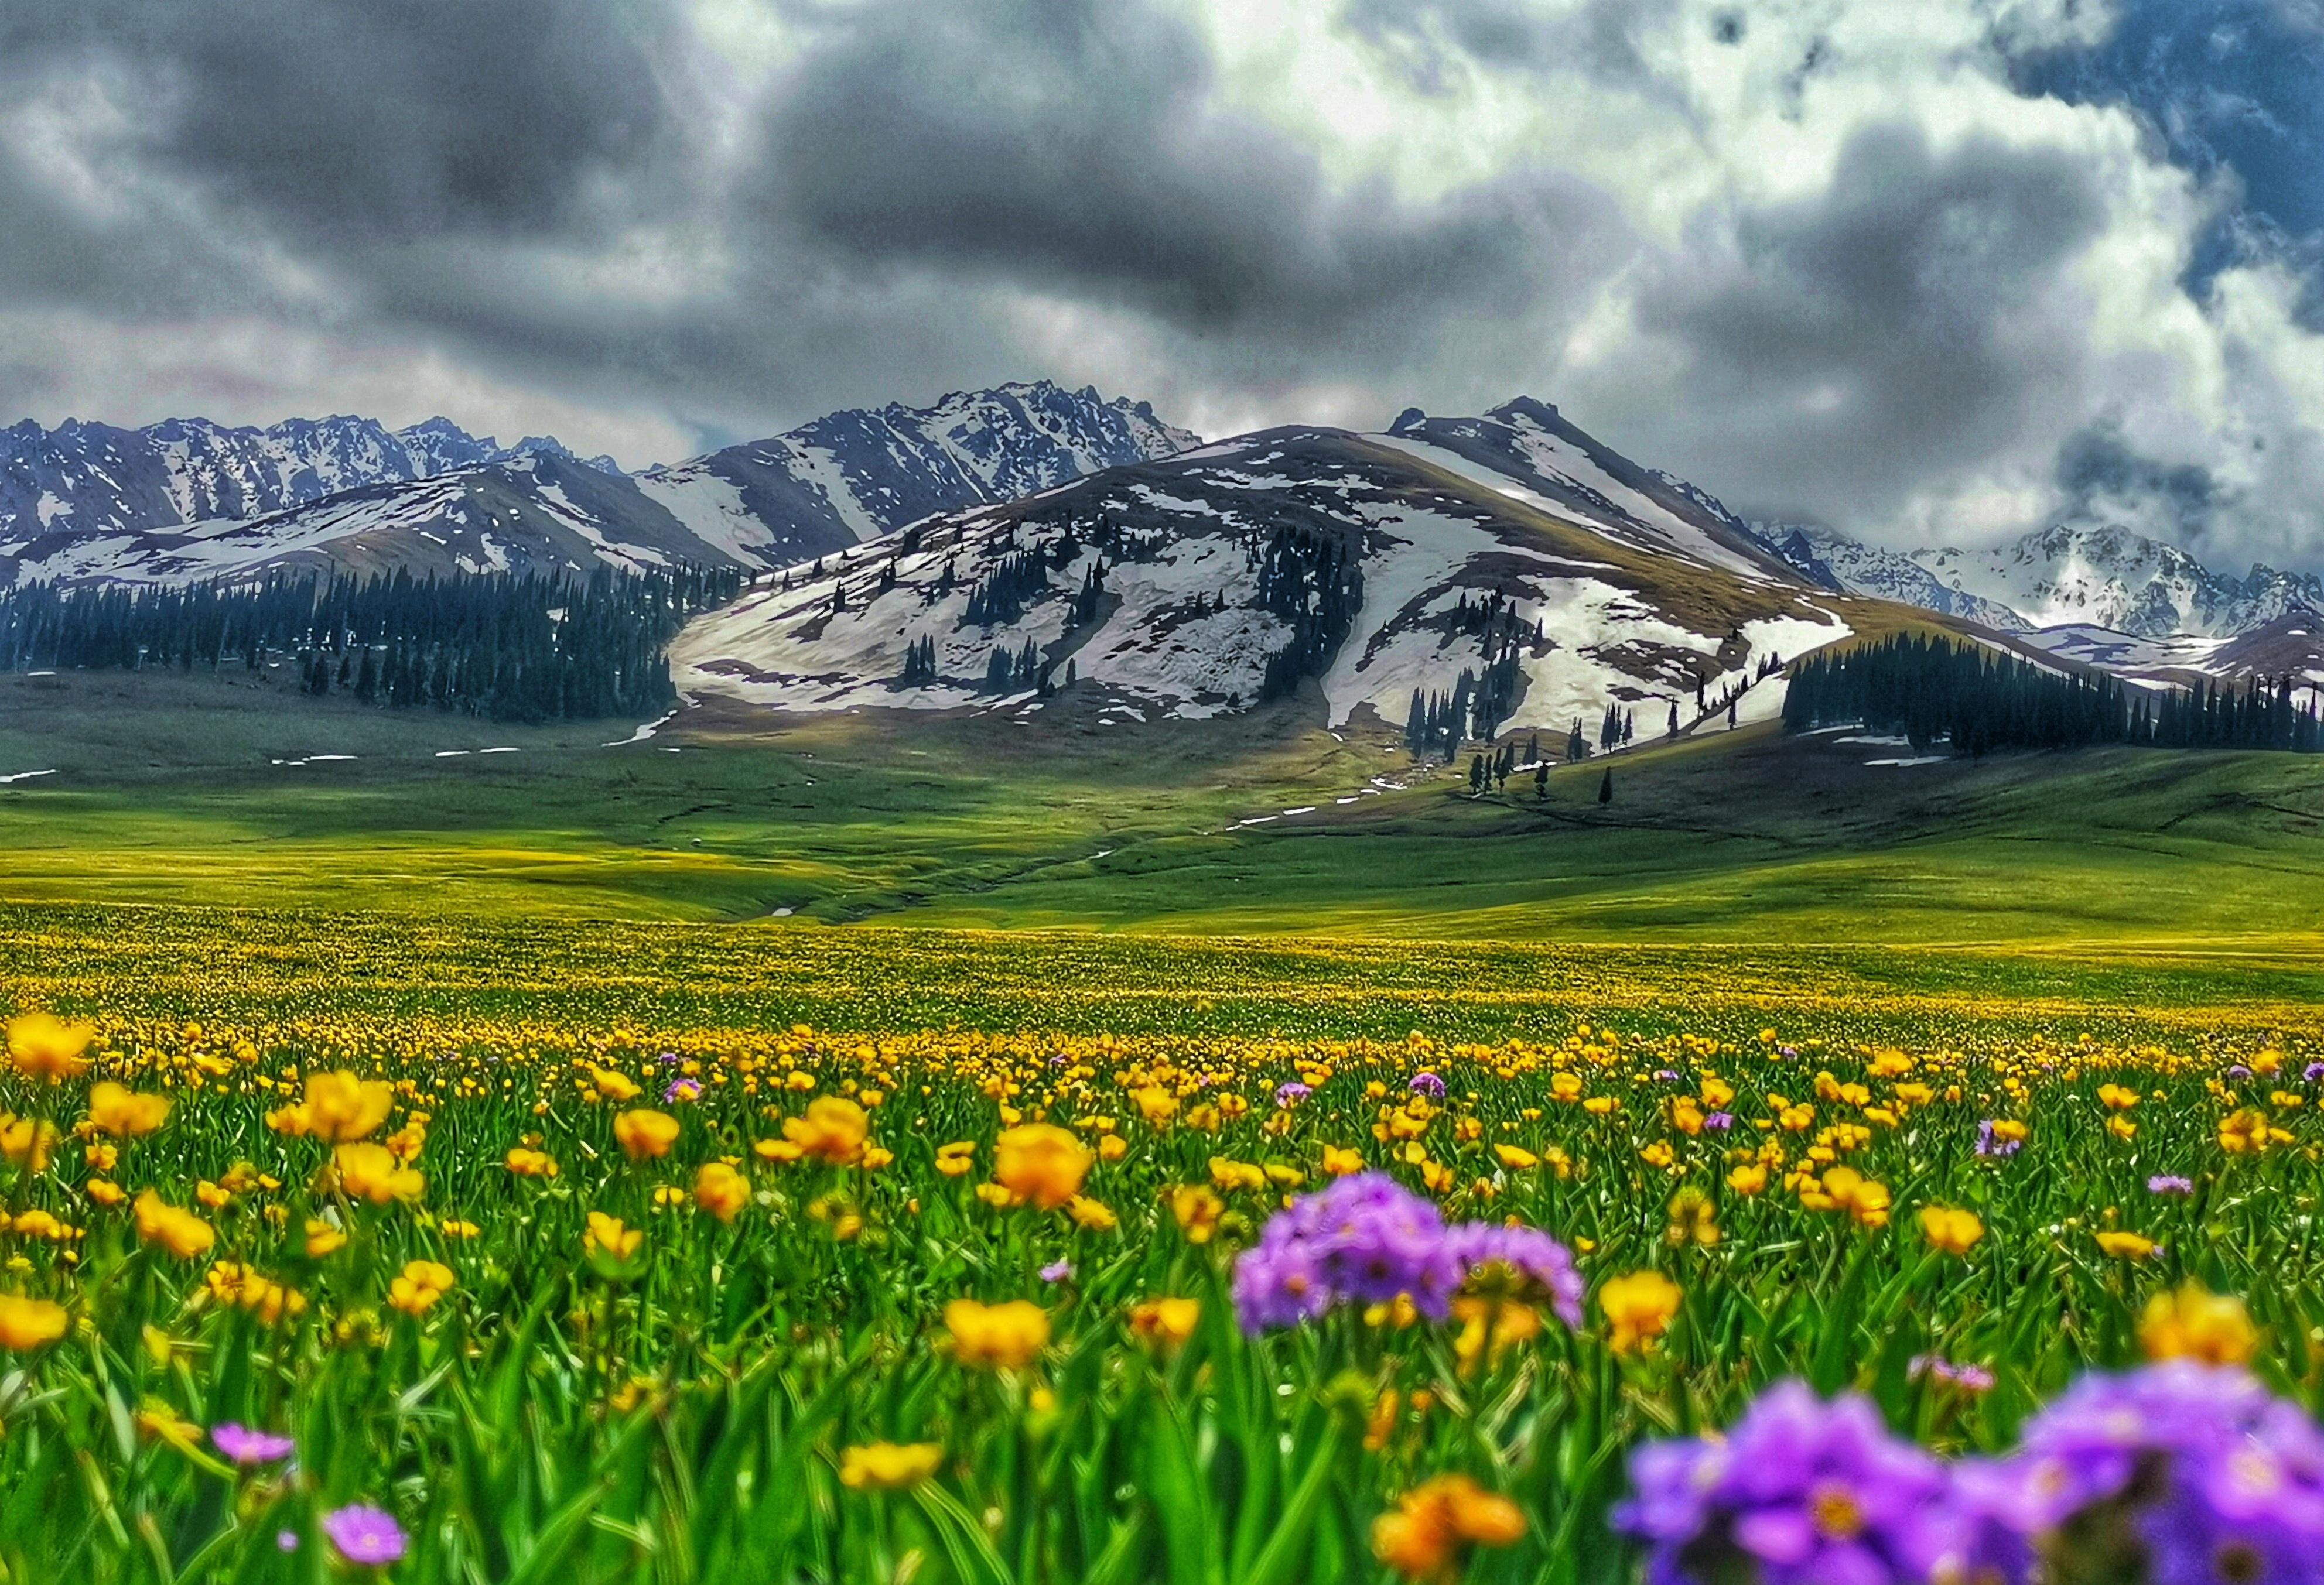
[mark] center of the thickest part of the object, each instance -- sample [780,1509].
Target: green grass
[165,793]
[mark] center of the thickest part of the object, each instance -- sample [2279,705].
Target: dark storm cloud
[54,256]
[2102,475]
[1076,147]
[1890,327]
[371,119]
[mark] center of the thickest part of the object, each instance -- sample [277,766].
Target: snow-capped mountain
[96,479]
[857,475]
[1839,562]
[1509,563]
[432,498]
[2065,576]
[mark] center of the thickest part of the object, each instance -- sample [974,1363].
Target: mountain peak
[1525,410]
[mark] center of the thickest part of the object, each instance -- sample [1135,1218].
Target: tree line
[1930,690]
[510,646]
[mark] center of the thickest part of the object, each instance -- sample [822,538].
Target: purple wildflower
[1719,1120]
[1787,1050]
[246,1446]
[1056,1270]
[364,1534]
[1987,1145]
[1367,1239]
[668,1059]
[1364,1239]
[1530,1253]
[2164,1183]
[2312,1072]
[683,1090]
[1971,1378]
[1428,1084]
[2189,1463]
[1666,1076]
[1802,1492]
[286,1540]
[1291,1093]
[2238,1070]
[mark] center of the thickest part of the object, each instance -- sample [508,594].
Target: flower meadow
[313,1289]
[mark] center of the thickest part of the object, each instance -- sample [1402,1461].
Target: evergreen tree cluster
[513,647]
[1308,579]
[1932,689]
[1490,772]
[1619,727]
[1013,671]
[1438,723]
[919,662]
[1090,596]
[999,596]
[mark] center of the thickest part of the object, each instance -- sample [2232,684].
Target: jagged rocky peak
[193,500]
[82,479]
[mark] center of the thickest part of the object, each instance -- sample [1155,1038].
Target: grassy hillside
[166,791]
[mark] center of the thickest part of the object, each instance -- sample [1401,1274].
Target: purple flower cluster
[1530,1254]
[1801,1492]
[1428,1084]
[1366,1240]
[2199,1466]
[2178,1474]
[1988,1145]
[2164,1183]
[1291,1093]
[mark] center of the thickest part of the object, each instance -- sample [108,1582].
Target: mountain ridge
[2068,574]
[89,477]
[840,478]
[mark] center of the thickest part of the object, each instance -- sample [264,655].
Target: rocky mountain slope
[1506,571]
[178,502]
[2068,574]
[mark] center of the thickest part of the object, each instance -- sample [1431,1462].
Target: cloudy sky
[1922,269]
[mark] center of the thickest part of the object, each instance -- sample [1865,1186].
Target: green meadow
[169,791]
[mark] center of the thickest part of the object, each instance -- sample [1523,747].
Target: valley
[232,797]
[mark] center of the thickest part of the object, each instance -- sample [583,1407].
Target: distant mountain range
[2066,576]
[188,500]
[94,478]
[987,550]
